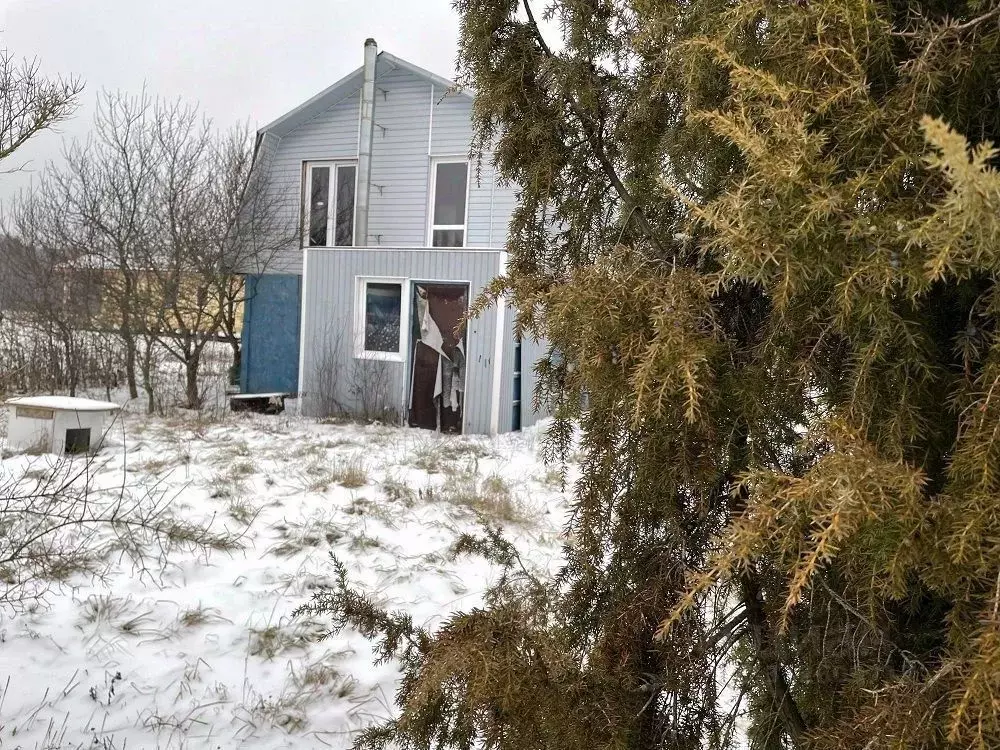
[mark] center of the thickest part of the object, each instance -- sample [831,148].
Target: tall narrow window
[319,205]
[450,185]
[330,209]
[346,179]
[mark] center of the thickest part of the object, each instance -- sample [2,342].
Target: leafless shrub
[44,346]
[368,384]
[326,376]
[56,525]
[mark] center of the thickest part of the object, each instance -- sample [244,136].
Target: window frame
[360,310]
[334,166]
[436,161]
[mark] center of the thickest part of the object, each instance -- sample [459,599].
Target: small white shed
[57,424]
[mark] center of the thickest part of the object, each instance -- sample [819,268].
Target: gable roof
[385,63]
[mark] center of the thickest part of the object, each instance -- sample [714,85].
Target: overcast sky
[240,59]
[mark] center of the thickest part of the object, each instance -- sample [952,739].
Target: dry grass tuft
[436,455]
[398,491]
[347,472]
[323,676]
[352,473]
[157,466]
[244,467]
[198,616]
[242,510]
[118,613]
[491,496]
[297,536]
[365,508]
[274,640]
[361,542]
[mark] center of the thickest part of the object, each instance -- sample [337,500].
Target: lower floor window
[383,310]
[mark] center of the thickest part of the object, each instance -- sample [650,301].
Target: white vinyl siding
[332,293]
[330,136]
[407,139]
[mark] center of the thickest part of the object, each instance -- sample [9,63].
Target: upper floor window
[329,214]
[449,193]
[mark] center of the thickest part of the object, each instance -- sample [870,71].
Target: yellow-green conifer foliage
[764,240]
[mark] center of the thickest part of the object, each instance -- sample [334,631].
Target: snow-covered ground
[204,651]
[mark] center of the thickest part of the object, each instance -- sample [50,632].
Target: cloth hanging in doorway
[449,381]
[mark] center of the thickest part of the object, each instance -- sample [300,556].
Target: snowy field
[200,650]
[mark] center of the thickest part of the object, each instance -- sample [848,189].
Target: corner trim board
[498,349]
[299,405]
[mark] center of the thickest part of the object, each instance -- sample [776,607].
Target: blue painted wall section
[270,360]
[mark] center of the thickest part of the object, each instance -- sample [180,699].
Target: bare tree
[52,305]
[212,222]
[31,103]
[169,213]
[106,188]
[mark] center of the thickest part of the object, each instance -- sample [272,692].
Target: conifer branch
[770,665]
[592,133]
[993,13]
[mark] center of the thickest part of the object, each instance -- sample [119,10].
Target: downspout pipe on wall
[365,143]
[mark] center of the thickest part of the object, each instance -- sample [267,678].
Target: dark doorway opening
[437,356]
[78,440]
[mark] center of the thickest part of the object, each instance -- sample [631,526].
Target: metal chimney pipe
[365,143]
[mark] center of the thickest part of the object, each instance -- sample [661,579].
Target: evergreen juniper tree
[764,238]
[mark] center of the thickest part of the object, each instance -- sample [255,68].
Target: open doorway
[437,356]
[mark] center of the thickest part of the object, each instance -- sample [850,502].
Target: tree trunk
[130,357]
[236,369]
[72,375]
[147,377]
[191,378]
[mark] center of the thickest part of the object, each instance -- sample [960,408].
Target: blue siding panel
[271,334]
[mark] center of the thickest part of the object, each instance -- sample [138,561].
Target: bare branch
[31,103]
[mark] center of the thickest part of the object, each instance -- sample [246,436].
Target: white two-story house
[398,232]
